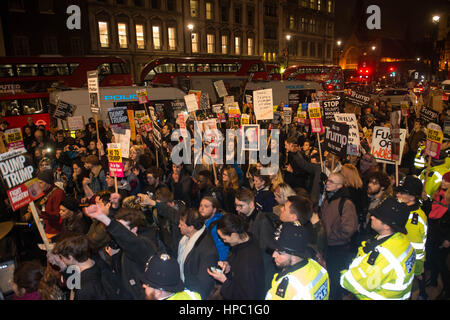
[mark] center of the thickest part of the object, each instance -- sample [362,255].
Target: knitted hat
[46,176]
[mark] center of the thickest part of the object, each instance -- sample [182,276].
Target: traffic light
[391,69]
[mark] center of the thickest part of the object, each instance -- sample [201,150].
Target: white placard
[353,146]
[123,138]
[75,123]
[220,87]
[191,102]
[263,104]
[381,144]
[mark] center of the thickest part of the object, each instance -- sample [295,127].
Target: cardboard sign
[115,160]
[336,138]
[94,95]
[217,108]
[138,114]
[301,116]
[220,88]
[354,145]
[17,174]
[118,115]
[123,137]
[315,117]
[64,110]
[381,144]
[142,96]
[263,104]
[75,123]
[146,123]
[198,96]
[191,102]
[435,137]
[357,98]
[233,110]
[330,108]
[228,99]
[428,115]
[14,139]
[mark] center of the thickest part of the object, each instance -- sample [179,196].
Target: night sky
[396,15]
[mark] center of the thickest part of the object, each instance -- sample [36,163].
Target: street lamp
[374,48]
[190,28]
[434,63]
[436,19]
[288,38]
[339,42]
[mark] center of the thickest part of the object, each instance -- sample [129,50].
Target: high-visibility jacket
[417,227]
[384,273]
[310,282]
[419,160]
[185,295]
[435,175]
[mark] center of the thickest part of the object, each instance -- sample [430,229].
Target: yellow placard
[114,155]
[435,135]
[13,135]
[314,113]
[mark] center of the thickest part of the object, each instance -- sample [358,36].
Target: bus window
[6,70]
[24,70]
[55,69]
[231,67]
[185,67]
[216,67]
[253,68]
[104,68]
[73,67]
[165,68]
[116,68]
[202,67]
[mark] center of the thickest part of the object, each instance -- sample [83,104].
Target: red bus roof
[17,60]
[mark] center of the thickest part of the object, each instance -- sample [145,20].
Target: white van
[290,92]
[111,97]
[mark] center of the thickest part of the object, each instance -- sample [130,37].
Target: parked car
[395,95]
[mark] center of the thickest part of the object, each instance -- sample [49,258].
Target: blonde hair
[276,179]
[285,192]
[351,176]
[233,180]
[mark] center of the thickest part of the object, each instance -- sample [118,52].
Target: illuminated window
[194,8]
[156,38]
[312,4]
[210,43]
[103,34]
[140,40]
[291,22]
[319,5]
[209,11]
[195,42]
[330,6]
[224,44]
[250,46]
[172,39]
[122,29]
[237,45]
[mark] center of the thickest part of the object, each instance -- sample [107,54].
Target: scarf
[185,247]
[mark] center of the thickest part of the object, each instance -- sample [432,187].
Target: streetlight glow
[374,48]
[339,42]
[436,19]
[288,37]
[190,27]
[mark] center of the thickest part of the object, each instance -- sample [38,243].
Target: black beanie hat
[46,176]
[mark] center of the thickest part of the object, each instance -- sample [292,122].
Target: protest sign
[435,137]
[14,139]
[220,88]
[115,160]
[263,104]
[353,145]
[287,115]
[245,119]
[233,110]
[182,124]
[357,98]
[404,107]
[381,145]
[138,114]
[228,99]
[146,123]
[395,131]
[75,123]
[191,102]
[428,115]
[118,115]
[251,137]
[204,102]
[336,138]
[142,96]
[94,96]
[122,137]
[217,108]
[330,108]
[64,110]
[315,117]
[301,116]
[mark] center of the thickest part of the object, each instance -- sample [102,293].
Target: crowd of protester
[185,218]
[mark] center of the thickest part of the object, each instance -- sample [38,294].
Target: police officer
[409,192]
[161,280]
[301,278]
[384,266]
[435,173]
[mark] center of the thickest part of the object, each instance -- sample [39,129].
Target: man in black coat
[135,245]
[196,253]
[262,226]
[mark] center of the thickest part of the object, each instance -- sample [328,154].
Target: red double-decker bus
[193,73]
[25,82]
[273,71]
[164,70]
[331,77]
